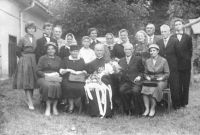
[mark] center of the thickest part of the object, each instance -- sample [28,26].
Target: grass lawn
[17,119]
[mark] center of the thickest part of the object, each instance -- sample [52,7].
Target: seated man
[98,84]
[131,80]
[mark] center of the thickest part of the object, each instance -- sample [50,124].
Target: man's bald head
[99,50]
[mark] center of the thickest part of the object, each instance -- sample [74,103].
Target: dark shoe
[70,111]
[176,108]
[127,112]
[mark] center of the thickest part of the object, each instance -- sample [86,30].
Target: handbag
[150,83]
[77,77]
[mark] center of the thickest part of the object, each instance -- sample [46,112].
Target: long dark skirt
[25,76]
[48,89]
[72,89]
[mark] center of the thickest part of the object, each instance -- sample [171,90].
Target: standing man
[150,30]
[40,49]
[184,64]
[131,80]
[169,49]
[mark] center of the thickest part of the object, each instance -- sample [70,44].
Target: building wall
[10,25]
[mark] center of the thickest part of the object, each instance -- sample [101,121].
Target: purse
[150,83]
[77,77]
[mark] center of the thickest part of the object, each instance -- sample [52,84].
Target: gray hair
[165,26]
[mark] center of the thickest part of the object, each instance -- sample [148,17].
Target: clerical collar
[99,57]
[71,58]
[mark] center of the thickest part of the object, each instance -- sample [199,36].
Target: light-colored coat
[160,69]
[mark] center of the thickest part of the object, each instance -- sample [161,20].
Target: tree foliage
[78,16]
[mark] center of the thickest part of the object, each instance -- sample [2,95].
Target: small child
[85,52]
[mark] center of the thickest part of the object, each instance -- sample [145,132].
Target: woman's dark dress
[72,89]
[64,52]
[25,76]
[48,89]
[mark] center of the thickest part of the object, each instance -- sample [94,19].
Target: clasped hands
[64,71]
[157,79]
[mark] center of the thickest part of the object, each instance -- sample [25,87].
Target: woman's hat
[50,44]
[154,46]
[74,47]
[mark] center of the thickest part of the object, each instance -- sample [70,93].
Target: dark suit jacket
[171,53]
[132,70]
[93,44]
[40,49]
[186,49]
[155,39]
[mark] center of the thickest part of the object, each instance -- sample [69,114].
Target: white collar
[68,47]
[70,58]
[94,40]
[151,36]
[166,38]
[99,57]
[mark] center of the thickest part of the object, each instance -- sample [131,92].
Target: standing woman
[57,33]
[25,76]
[118,49]
[93,33]
[48,66]
[110,42]
[69,40]
[141,48]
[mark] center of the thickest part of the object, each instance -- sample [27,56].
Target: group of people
[146,67]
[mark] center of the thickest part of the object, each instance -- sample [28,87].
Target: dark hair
[50,44]
[30,24]
[92,29]
[47,24]
[179,20]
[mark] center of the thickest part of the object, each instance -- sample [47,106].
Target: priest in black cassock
[97,65]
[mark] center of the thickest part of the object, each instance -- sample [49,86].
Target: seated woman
[73,65]
[48,66]
[156,71]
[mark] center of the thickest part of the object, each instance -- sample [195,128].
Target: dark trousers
[184,82]
[174,88]
[130,91]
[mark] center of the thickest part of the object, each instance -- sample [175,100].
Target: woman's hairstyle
[74,47]
[92,29]
[50,44]
[165,26]
[73,38]
[30,24]
[123,30]
[47,24]
[108,35]
[86,37]
[141,32]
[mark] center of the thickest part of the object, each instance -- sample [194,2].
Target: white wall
[10,25]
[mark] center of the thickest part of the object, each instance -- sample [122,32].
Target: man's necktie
[165,42]
[150,40]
